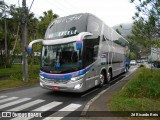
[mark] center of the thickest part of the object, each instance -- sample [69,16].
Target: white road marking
[63,112]
[13,103]
[42,109]
[8,99]
[48,106]
[27,105]
[2,97]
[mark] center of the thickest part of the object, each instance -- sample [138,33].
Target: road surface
[48,104]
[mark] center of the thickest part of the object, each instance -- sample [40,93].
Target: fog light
[41,84]
[78,86]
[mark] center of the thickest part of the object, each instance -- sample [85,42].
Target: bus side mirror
[79,44]
[81,37]
[30,49]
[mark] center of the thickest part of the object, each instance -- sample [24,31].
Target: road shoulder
[102,100]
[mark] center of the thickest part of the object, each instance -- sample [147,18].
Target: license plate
[55,88]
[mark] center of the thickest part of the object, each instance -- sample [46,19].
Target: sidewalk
[101,102]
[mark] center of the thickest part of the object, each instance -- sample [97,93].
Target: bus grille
[56,81]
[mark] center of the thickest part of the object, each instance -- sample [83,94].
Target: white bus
[79,52]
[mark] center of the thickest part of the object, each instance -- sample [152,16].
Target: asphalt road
[34,99]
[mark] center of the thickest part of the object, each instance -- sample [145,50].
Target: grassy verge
[142,93]
[12,77]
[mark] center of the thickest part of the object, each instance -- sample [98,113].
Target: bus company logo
[67,19]
[62,33]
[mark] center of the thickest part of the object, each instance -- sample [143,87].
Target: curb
[84,111]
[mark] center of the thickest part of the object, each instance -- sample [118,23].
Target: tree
[14,34]
[146,28]
[146,21]
[45,21]
[3,17]
[3,6]
[132,56]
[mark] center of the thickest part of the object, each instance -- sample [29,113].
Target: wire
[58,7]
[73,6]
[65,6]
[31,6]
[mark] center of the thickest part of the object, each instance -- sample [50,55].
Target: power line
[31,6]
[73,6]
[57,6]
[65,6]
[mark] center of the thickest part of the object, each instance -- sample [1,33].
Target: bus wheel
[102,79]
[109,76]
[126,69]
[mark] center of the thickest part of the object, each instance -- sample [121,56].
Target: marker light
[41,77]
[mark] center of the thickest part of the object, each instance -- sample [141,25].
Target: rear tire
[109,76]
[126,69]
[102,79]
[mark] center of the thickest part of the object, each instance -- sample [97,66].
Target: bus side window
[96,47]
[45,52]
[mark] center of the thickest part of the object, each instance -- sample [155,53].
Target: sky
[112,12]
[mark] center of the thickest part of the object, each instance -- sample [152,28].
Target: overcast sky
[112,12]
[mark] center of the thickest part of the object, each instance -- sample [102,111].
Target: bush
[142,93]
[145,84]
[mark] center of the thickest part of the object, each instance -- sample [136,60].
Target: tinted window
[91,47]
[121,42]
[66,26]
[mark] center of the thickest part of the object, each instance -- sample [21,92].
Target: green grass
[12,77]
[142,93]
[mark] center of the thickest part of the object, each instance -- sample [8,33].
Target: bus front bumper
[67,86]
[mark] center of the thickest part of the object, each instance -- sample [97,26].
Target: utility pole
[24,41]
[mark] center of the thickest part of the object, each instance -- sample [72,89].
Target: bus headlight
[77,78]
[74,79]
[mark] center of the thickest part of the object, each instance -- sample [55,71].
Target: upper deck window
[94,26]
[66,26]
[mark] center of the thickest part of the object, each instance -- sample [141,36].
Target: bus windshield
[62,58]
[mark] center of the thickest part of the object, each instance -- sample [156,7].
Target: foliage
[146,21]
[45,20]
[12,77]
[132,56]
[142,93]
[35,29]
[153,43]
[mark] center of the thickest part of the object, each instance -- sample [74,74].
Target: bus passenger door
[91,74]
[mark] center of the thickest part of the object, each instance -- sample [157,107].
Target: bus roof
[72,25]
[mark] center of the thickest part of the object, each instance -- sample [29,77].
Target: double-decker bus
[79,52]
